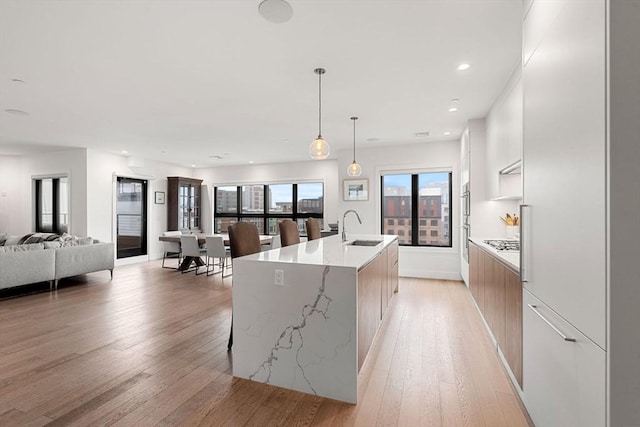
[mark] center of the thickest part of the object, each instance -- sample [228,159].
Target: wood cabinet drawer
[564,381]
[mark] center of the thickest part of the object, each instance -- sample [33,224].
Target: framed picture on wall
[356,189]
[159,197]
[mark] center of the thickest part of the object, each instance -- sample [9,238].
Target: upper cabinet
[504,142]
[183,203]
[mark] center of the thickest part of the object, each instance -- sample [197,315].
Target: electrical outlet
[279,278]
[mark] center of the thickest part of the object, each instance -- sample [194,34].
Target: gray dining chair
[216,250]
[171,250]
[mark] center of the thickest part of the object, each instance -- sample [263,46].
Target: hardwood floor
[149,348]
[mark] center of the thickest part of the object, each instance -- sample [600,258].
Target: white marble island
[304,316]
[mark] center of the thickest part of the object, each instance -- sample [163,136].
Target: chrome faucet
[344,228]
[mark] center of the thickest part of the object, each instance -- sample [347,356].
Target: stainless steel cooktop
[504,245]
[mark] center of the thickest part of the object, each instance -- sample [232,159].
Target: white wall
[10,197]
[103,169]
[442,263]
[20,189]
[324,171]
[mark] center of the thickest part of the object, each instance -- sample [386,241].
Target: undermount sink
[365,243]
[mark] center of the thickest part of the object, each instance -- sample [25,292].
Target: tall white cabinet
[569,282]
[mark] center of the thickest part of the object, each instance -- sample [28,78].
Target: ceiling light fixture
[463,67]
[124,152]
[251,161]
[447,133]
[453,109]
[276,11]
[319,149]
[354,168]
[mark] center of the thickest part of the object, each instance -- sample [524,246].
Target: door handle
[536,311]
[525,221]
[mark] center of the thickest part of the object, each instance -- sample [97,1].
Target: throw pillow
[12,240]
[85,241]
[42,237]
[24,248]
[52,245]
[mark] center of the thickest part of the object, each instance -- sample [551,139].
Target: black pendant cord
[319,104]
[354,138]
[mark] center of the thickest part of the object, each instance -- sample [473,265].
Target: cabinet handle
[524,243]
[564,337]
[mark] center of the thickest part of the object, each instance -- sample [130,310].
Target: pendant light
[354,168]
[319,149]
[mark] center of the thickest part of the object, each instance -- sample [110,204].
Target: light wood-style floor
[149,348]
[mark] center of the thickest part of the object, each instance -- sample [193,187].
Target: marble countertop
[329,251]
[512,259]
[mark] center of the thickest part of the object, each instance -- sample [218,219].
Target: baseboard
[131,260]
[422,274]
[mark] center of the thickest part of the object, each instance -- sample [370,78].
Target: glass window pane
[226,199]
[396,199]
[46,204]
[280,198]
[222,224]
[63,205]
[433,205]
[253,199]
[310,197]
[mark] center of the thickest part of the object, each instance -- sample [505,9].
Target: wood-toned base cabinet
[497,290]
[377,281]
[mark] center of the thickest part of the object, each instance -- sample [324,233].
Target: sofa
[50,261]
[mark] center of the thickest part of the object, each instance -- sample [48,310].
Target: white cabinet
[564,381]
[504,141]
[564,167]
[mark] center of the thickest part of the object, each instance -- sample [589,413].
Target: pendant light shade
[319,149]
[354,168]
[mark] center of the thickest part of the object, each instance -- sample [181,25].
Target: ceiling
[183,81]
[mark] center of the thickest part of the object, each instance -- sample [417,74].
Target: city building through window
[417,198]
[267,205]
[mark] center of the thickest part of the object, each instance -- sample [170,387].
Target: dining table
[202,239]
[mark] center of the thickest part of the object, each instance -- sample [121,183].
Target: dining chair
[216,250]
[313,229]
[244,239]
[289,234]
[191,250]
[171,249]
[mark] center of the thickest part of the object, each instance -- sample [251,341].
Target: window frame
[265,215]
[415,218]
[55,204]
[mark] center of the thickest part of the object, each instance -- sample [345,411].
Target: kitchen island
[304,316]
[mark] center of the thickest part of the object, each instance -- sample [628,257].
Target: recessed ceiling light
[277,11]
[193,166]
[455,100]
[421,134]
[226,154]
[216,157]
[16,112]
[17,81]
[447,133]
[463,67]
[251,161]
[373,139]
[453,109]
[124,152]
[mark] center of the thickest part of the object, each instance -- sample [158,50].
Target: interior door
[131,217]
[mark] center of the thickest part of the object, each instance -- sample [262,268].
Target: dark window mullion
[415,199]
[294,205]
[38,205]
[55,196]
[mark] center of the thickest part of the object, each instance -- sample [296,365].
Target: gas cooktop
[504,245]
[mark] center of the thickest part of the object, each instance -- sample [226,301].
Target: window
[418,198]
[52,205]
[267,205]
